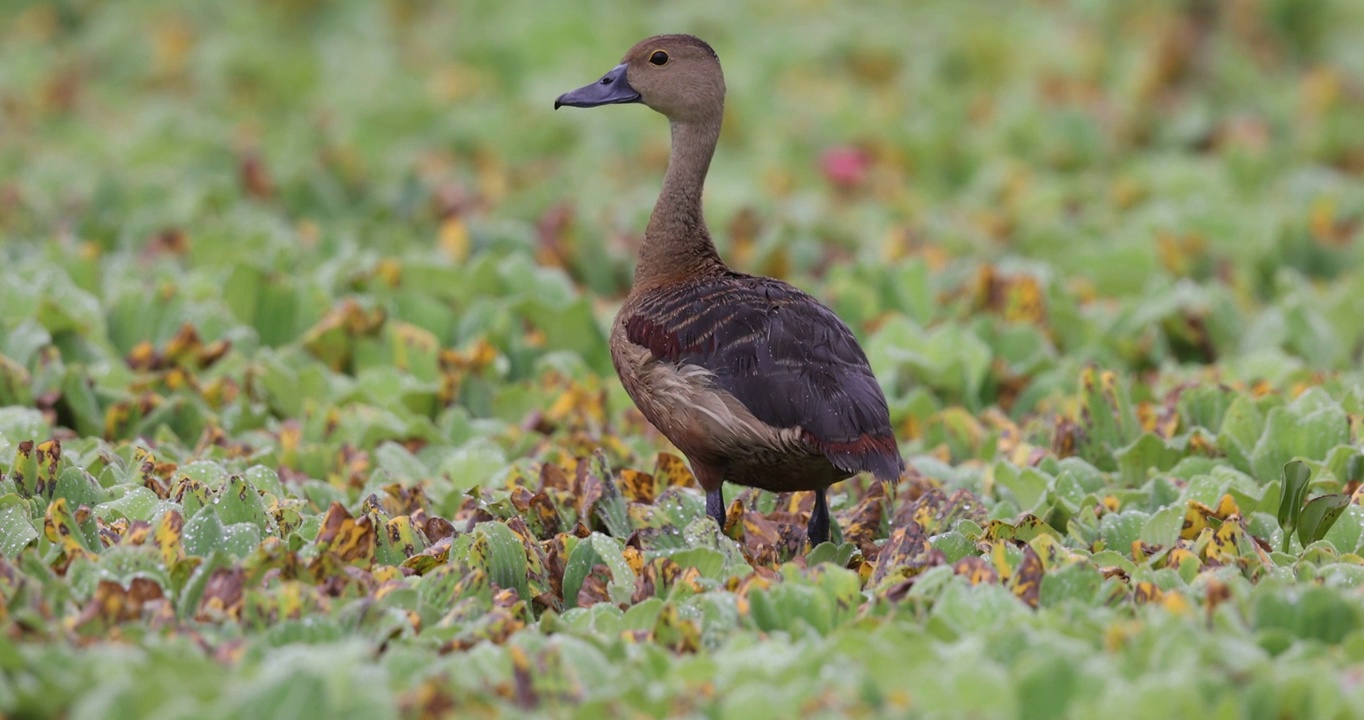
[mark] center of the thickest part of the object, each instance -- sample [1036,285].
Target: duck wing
[787,358]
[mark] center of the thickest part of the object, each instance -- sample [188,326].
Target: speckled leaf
[62,528]
[539,512]
[192,495]
[671,630]
[351,540]
[976,570]
[1026,528]
[35,468]
[671,470]
[1026,581]
[222,595]
[398,541]
[434,556]
[636,486]
[113,604]
[169,537]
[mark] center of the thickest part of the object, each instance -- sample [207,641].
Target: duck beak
[611,89]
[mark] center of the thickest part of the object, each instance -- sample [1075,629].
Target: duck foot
[818,529]
[715,506]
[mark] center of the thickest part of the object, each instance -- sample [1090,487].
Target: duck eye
[659,58]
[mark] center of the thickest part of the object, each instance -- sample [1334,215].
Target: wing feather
[787,358]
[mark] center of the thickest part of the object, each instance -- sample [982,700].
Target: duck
[755,381]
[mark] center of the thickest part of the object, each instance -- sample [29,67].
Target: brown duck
[756,382]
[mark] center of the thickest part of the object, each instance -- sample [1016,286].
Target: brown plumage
[756,382]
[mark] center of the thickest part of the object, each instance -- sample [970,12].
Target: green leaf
[1308,428]
[954,545]
[1107,416]
[15,384]
[1347,532]
[473,463]
[580,562]
[503,555]
[1162,528]
[1295,477]
[611,508]
[239,502]
[204,534]
[16,528]
[593,550]
[1316,613]
[1077,582]
[1319,515]
[136,503]
[1028,485]
[1205,406]
[1242,425]
[1119,530]
[79,488]
[708,562]
[1148,452]
[827,552]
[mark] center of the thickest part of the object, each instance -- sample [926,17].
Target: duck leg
[715,506]
[818,529]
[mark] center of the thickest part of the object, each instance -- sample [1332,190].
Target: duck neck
[677,244]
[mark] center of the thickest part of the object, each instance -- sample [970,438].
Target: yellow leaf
[1146,592]
[1050,550]
[391,270]
[1176,603]
[672,471]
[453,238]
[999,555]
[352,540]
[636,486]
[1227,507]
[1321,89]
[975,570]
[1195,519]
[1178,556]
[168,537]
[1027,581]
[1224,547]
[387,574]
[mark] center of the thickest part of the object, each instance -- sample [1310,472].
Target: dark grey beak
[611,89]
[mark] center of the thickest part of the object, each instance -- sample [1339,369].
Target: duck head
[676,75]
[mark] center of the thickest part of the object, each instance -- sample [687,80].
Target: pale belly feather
[710,425]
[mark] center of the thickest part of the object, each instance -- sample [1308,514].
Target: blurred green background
[1074,131]
[396,262]
[1190,163]
[1126,146]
